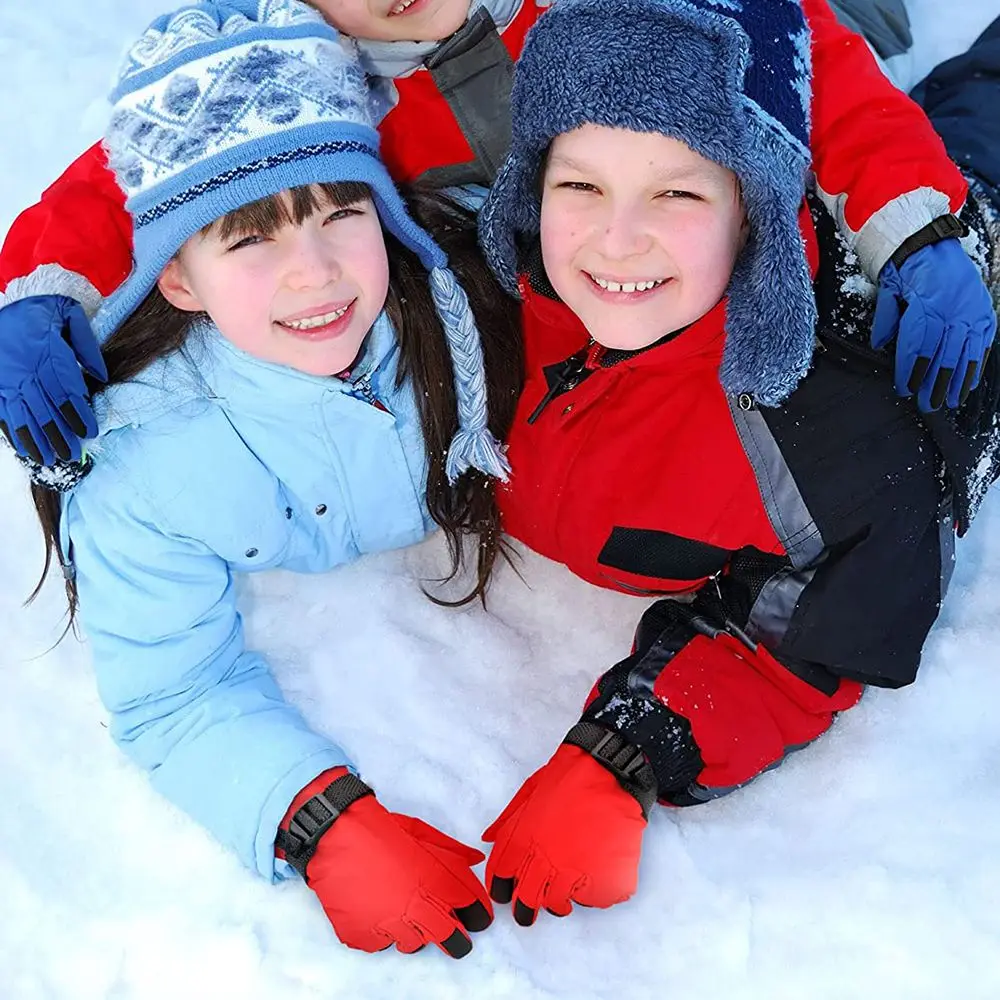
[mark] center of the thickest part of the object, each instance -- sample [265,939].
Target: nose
[311,262]
[624,233]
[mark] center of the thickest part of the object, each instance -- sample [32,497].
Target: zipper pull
[363,385]
[561,384]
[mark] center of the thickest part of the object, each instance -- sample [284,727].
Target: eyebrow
[694,171]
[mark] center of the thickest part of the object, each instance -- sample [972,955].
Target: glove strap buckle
[944,227]
[624,760]
[315,817]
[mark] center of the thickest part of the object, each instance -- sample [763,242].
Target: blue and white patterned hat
[731,79]
[220,104]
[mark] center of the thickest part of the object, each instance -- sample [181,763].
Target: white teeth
[400,7]
[628,286]
[314,321]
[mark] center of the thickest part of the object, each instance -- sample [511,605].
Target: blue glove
[45,409]
[941,314]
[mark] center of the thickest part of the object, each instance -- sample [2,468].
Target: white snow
[867,866]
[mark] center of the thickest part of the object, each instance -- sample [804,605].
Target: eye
[344,213]
[674,195]
[578,186]
[247,241]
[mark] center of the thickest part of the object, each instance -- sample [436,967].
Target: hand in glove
[384,878]
[936,306]
[571,834]
[45,341]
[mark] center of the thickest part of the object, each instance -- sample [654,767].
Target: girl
[440,72]
[273,403]
[680,435]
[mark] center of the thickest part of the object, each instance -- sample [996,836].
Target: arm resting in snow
[188,702]
[758,665]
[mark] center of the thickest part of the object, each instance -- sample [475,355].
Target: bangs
[268,215]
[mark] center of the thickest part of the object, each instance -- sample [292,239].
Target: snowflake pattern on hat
[218,102]
[192,26]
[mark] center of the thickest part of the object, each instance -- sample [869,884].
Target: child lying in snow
[682,434]
[295,378]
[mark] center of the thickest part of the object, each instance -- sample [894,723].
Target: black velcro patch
[661,554]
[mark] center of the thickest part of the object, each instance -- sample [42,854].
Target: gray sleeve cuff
[879,238]
[52,279]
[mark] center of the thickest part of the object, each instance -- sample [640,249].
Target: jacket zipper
[571,377]
[363,386]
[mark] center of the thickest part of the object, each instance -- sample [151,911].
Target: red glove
[384,878]
[571,834]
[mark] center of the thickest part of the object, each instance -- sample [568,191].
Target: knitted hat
[220,104]
[732,80]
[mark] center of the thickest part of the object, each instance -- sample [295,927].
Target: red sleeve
[746,710]
[880,167]
[80,224]
[711,714]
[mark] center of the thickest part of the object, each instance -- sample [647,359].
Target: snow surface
[867,866]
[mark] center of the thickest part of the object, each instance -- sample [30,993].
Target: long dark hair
[157,329]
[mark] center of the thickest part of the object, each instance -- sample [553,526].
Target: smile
[400,7]
[626,287]
[314,321]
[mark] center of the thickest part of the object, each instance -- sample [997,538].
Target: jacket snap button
[321,509]
[250,553]
[288,513]
[745,401]
[567,409]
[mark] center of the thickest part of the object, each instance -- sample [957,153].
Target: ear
[744,231]
[176,289]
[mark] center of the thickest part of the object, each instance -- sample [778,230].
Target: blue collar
[209,367]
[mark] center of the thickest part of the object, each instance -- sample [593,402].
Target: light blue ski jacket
[212,463]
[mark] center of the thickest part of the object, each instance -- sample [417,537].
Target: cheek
[352,17]
[238,300]
[561,234]
[706,246]
[369,263]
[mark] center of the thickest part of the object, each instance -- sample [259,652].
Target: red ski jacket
[883,170]
[807,540]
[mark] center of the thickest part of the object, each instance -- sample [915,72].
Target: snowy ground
[866,867]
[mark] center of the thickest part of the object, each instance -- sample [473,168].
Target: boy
[681,435]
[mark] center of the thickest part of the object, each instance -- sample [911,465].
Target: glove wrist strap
[944,227]
[315,817]
[624,760]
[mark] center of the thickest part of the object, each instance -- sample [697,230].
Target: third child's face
[395,20]
[304,296]
[639,233]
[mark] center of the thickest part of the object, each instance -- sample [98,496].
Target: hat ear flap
[512,209]
[771,309]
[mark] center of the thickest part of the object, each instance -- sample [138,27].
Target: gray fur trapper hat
[732,80]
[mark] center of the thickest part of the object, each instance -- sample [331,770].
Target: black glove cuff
[60,476]
[625,703]
[944,227]
[624,760]
[315,817]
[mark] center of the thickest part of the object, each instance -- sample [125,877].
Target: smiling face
[297,280]
[639,233]
[395,20]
